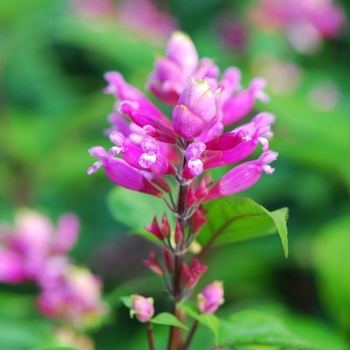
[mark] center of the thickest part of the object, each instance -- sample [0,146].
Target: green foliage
[332,260]
[54,348]
[233,219]
[167,319]
[257,328]
[208,320]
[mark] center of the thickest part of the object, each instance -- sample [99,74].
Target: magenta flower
[149,149]
[211,298]
[75,296]
[173,72]
[141,307]
[242,176]
[305,22]
[33,241]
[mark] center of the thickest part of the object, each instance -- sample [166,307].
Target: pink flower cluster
[150,147]
[34,250]
[305,22]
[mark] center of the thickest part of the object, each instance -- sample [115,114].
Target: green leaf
[127,301]
[233,219]
[257,328]
[210,321]
[55,348]
[331,260]
[167,319]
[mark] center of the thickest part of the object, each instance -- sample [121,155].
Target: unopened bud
[154,264]
[196,111]
[165,226]
[141,307]
[211,297]
[178,233]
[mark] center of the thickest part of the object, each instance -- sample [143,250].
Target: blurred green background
[53,55]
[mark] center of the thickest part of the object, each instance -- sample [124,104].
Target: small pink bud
[165,226]
[190,198]
[211,298]
[168,260]
[141,307]
[178,233]
[198,221]
[192,274]
[154,229]
[154,264]
[197,110]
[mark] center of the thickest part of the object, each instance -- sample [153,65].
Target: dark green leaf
[167,319]
[233,219]
[257,328]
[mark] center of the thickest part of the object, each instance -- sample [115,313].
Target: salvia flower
[141,307]
[149,148]
[211,298]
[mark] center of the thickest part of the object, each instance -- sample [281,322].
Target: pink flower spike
[193,154]
[211,298]
[242,176]
[67,233]
[141,307]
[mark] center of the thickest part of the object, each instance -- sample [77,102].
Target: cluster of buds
[208,302]
[149,148]
[305,22]
[34,250]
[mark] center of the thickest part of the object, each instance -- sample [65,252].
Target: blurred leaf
[111,39]
[55,348]
[127,301]
[18,334]
[310,136]
[150,284]
[210,321]
[136,210]
[167,319]
[233,219]
[257,328]
[332,260]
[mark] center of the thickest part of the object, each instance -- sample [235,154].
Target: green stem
[190,336]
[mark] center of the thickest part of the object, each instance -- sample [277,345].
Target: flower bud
[211,297]
[141,307]
[197,110]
